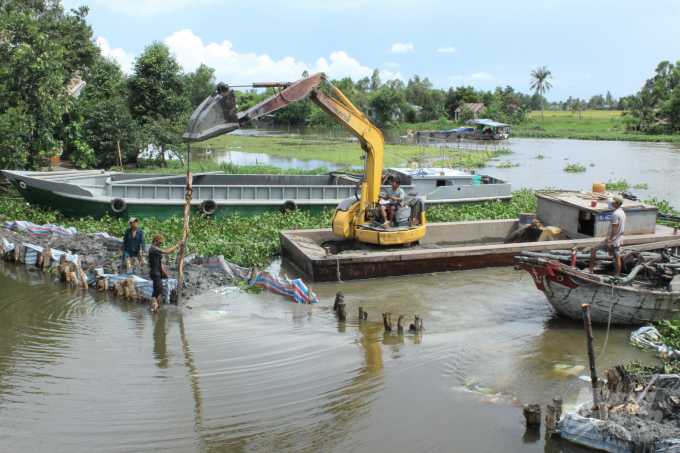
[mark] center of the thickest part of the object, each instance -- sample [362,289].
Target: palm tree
[540,83]
[644,106]
[576,106]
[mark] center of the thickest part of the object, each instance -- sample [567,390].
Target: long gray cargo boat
[97,193]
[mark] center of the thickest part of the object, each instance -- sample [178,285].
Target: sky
[590,47]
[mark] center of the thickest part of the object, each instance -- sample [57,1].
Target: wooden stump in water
[3,250]
[62,272]
[72,278]
[419,324]
[121,289]
[310,295]
[532,414]
[22,254]
[45,261]
[361,313]
[387,321]
[550,420]
[342,314]
[62,259]
[400,323]
[339,299]
[365,315]
[82,276]
[100,284]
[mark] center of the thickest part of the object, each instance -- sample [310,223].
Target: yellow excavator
[355,217]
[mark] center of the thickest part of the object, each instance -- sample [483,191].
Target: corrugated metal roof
[490,123]
[475,107]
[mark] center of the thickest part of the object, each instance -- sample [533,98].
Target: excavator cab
[354,217]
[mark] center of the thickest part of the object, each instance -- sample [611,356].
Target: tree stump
[3,250]
[550,419]
[310,295]
[62,272]
[365,315]
[62,259]
[45,261]
[400,323]
[419,324]
[532,414]
[387,321]
[82,276]
[339,299]
[22,254]
[342,314]
[72,278]
[361,313]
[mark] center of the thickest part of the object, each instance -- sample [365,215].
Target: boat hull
[90,193]
[629,305]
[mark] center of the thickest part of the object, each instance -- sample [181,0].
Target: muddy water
[245,372]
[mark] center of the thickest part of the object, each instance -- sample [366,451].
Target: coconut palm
[645,106]
[576,106]
[540,83]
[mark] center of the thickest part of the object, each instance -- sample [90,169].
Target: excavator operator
[394,198]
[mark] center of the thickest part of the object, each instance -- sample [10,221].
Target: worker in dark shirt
[134,242]
[157,271]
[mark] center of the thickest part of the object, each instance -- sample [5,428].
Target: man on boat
[157,271]
[614,239]
[134,242]
[395,197]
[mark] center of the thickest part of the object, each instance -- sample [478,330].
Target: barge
[99,193]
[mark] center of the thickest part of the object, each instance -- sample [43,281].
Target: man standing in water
[158,270]
[395,196]
[134,242]
[614,239]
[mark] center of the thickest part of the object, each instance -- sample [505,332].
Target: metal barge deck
[477,244]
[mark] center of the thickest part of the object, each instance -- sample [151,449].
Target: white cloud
[126,60]
[446,49]
[391,65]
[400,48]
[387,75]
[233,67]
[481,76]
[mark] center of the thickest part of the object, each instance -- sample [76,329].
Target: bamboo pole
[120,159]
[185,231]
[591,352]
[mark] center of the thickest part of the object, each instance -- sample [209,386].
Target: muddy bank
[197,279]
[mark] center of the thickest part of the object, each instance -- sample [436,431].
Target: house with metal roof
[477,108]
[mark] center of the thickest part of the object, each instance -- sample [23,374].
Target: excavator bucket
[215,116]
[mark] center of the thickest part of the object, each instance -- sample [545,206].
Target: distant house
[476,109]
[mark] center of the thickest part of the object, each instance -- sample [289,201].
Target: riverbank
[606,125]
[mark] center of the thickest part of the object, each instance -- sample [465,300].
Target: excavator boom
[218,115]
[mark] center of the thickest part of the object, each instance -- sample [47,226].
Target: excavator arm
[218,115]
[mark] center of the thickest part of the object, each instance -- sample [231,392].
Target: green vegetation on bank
[348,152]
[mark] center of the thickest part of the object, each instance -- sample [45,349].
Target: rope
[611,304]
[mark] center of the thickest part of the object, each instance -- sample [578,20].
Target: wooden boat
[649,293]
[98,193]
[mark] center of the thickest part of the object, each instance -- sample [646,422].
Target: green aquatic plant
[507,165]
[618,185]
[540,156]
[574,168]
[592,165]
[642,186]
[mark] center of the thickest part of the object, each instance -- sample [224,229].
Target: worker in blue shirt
[134,243]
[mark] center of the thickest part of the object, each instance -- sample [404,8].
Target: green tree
[577,106]
[609,100]
[202,83]
[671,111]
[540,83]
[644,106]
[376,83]
[41,46]
[159,99]
[388,105]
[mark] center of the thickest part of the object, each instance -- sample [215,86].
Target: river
[84,371]
[655,164]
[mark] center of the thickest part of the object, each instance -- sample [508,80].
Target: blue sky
[590,46]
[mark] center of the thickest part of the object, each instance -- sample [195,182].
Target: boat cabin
[578,218]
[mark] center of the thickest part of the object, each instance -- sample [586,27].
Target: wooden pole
[342,314]
[185,233]
[361,313]
[120,159]
[591,351]
[387,321]
[532,414]
[400,323]
[339,299]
